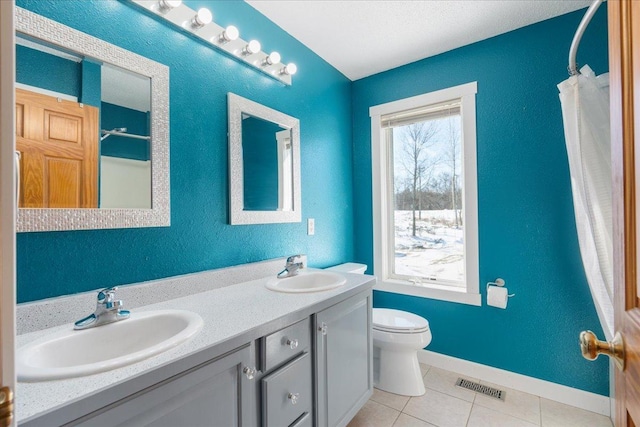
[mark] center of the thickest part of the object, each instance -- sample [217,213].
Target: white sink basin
[77,353]
[307,281]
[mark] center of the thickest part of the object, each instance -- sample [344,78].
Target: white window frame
[383,181]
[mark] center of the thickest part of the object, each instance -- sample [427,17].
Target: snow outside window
[425,197]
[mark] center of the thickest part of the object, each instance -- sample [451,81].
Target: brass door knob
[6,406]
[592,347]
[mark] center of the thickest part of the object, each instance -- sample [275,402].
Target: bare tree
[416,140]
[452,158]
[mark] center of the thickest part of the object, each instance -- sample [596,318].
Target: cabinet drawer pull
[249,372]
[293,397]
[293,344]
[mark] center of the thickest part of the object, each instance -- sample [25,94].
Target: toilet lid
[385,319]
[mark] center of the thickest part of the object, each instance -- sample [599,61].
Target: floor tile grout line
[387,406]
[405,404]
[514,416]
[540,408]
[396,419]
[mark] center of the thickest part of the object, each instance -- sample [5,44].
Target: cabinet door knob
[250,373]
[293,397]
[293,344]
[323,328]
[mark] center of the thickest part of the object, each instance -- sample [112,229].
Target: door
[624,68]
[343,360]
[58,142]
[7,212]
[214,395]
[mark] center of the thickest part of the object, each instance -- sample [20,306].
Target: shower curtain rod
[107,133]
[573,51]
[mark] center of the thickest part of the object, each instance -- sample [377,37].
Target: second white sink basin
[307,281]
[77,353]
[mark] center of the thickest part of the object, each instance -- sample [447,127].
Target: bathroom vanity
[263,358]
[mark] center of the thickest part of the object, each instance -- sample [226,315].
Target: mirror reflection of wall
[83,130]
[267,165]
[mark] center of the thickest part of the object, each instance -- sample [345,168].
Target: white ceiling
[361,38]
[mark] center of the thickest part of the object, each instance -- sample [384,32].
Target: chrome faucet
[108,310]
[291,268]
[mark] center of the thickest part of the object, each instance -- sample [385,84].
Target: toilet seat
[399,322]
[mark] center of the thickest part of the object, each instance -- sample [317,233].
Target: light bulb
[230,33]
[273,58]
[202,18]
[167,5]
[252,47]
[289,69]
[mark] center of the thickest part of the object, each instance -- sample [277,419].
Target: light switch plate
[311,226]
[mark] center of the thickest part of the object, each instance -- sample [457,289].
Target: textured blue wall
[60,75]
[91,89]
[58,263]
[526,227]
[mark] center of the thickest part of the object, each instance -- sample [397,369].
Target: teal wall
[91,88]
[60,75]
[526,227]
[58,263]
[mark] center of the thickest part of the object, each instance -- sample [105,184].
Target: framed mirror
[264,164]
[92,131]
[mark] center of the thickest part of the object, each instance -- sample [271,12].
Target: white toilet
[397,337]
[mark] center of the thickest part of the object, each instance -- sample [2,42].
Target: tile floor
[445,405]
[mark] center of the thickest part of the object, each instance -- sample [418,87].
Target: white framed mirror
[92,131]
[264,164]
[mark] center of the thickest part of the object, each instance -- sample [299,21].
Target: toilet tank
[349,267]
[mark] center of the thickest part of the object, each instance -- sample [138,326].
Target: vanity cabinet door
[216,394]
[344,360]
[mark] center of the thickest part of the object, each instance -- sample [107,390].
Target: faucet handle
[292,258]
[107,294]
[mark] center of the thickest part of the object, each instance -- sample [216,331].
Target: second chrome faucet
[291,268]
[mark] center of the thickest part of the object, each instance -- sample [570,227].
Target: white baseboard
[552,391]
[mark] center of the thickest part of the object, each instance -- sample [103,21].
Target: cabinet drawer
[287,393]
[285,344]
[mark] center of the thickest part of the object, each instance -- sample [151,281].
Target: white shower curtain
[585,111]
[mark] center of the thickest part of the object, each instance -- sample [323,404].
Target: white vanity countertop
[228,313]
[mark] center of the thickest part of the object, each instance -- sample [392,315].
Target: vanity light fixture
[290,69]
[200,25]
[252,47]
[272,58]
[202,18]
[229,34]
[165,6]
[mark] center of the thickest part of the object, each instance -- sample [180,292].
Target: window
[425,196]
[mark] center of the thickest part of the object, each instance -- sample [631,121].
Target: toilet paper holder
[499,282]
